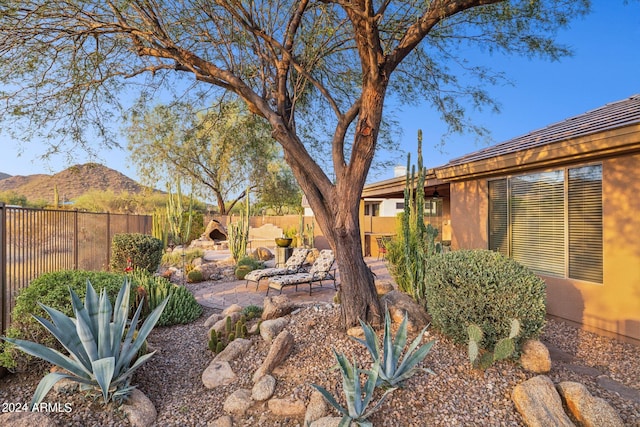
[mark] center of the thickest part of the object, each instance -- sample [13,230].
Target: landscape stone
[218,374]
[139,409]
[590,411]
[262,254]
[233,350]
[535,357]
[279,351]
[26,419]
[539,403]
[223,421]
[287,407]
[211,320]
[276,306]
[264,388]
[356,331]
[400,303]
[233,308]
[238,402]
[269,329]
[316,409]
[326,422]
[384,287]
[221,325]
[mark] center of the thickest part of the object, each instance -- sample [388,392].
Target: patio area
[221,294]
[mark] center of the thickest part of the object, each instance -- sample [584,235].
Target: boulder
[233,308]
[399,303]
[279,351]
[262,254]
[590,411]
[233,350]
[139,409]
[287,407]
[264,388]
[535,357]
[223,421]
[211,320]
[218,374]
[269,329]
[26,419]
[276,306]
[210,270]
[356,331]
[539,403]
[316,409]
[326,422]
[238,402]
[383,287]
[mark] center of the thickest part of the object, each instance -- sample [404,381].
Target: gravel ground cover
[455,395]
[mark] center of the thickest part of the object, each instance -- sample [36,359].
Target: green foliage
[195,276]
[238,235]
[279,191]
[357,398]
[178,221]
[102,351]
[218,341]
[392,369]
[52,290]
[245,265]
[182,307]
[486,289]
[143,250]
[252,311]
[121,202]
[503,349]
[415,242]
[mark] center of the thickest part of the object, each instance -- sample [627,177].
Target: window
[372,209]
[399,206]
[550,221]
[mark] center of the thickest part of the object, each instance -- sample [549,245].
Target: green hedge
[143,250]
[51,289]
[485,288]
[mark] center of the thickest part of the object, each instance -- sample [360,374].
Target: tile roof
[610,116]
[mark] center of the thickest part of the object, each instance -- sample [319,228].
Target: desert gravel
[454,395]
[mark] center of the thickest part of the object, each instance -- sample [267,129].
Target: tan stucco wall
[613,306]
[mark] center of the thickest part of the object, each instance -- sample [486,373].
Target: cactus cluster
[218,340]
[503,349]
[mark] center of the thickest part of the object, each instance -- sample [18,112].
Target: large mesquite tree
[312,69]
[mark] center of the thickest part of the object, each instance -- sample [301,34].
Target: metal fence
[37,241]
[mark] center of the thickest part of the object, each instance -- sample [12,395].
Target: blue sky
[605,68]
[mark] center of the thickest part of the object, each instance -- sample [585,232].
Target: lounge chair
[320,270]
[293,265]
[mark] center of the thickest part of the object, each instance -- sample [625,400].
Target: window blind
[498,217]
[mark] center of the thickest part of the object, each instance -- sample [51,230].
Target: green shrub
[245,265]
[487,289]
[175,258]
[143,250]
[52,290]
[182,306]
[195,276]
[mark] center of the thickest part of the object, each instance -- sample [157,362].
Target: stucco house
[562,200]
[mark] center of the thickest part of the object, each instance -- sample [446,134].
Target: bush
[245,265]
[487,289]
[50,289]
[174,258]
[143,250]
[195,276]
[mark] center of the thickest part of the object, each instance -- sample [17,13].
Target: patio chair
[293,265]
[382,246]
[319,271]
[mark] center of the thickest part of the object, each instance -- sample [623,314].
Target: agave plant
[356,410]
[101,348]
[392,368]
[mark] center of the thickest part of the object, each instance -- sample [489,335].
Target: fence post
[108,241]
[3,266]
[76,264]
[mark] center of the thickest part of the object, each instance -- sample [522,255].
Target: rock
[238,402]
[233,350]
[276,306]
[590,411]
[535,357]
[539,403]
[139,409]
[269,329]
[279,351]
[262,254]
[26,419]
[400,303]
[287,407]
[356,331]
[210,270]
[65,386]
[211,320]
[223,421]
[218,374]
[326,422]
[233,308]
[316,409]
[384,287]
[264,388]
